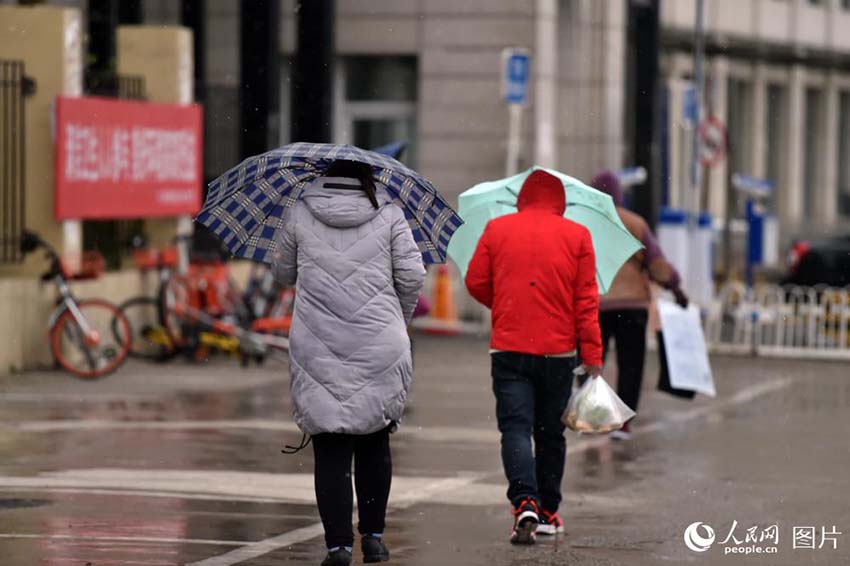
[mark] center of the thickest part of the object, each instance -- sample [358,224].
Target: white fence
[774,321]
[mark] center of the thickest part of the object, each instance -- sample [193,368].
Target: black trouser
[531,395]
[372,477]
[628,328]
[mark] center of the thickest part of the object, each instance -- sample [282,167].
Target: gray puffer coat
[358,273]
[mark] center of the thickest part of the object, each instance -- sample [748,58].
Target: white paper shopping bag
[687,354]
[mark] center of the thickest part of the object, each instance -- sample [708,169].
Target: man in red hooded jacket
[536,271]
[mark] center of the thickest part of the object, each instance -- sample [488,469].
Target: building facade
[428,72]
[778,77]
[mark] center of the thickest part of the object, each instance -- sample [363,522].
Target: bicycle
[204,310]
[264,296]
[89,338]
[149,338]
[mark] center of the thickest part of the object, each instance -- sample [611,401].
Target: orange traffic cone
[443,319]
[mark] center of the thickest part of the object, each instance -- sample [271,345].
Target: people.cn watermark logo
[758,539]
[699,537]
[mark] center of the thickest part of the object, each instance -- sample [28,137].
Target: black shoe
[526,520]
[339,557]
[374,549]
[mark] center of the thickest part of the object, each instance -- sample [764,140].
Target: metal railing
[108,84]
[781,322]
[14,87]
[131,87]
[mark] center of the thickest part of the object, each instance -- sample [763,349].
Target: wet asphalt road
[181,464]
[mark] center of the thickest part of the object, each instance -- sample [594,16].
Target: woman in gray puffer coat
[358,273]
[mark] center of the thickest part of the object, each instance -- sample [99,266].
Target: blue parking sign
[515,75]
[690,104]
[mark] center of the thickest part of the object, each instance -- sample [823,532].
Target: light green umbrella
[613,244]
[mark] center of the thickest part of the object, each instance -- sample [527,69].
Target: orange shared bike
[89,338]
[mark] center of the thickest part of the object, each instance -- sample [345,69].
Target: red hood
[542,191]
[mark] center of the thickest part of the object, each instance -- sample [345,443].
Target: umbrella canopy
[245,206]
[613,244]
[394,149]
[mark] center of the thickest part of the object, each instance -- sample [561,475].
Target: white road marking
[255,549]
[98,425]
[428,434]
[225,484]
[88,396]
[38,487]
[298,487]
[156,540]
[745,395]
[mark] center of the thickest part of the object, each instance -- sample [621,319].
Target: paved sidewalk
[180,464]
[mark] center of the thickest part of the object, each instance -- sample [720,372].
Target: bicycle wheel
[149,339]
[96,351]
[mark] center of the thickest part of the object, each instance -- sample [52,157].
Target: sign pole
[699,80]
[185,228]
[515,72]
[72,245]
[514,133]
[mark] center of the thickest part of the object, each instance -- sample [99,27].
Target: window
[738,131]
[775,136]
[812,151]
[738,97]
[380,78]
[843,161]
[376,98]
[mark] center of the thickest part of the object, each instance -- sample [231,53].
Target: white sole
[549,530]
[527,524]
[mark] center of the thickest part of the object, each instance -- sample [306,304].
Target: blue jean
[531,395]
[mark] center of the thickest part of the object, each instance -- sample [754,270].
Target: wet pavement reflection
[181,464]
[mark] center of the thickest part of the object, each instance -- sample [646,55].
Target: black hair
[355,170]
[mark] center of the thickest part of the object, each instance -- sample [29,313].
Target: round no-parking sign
[712,141]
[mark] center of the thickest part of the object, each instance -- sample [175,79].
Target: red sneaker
[550,523]
[526,520]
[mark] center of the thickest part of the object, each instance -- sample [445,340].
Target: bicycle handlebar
[30,242]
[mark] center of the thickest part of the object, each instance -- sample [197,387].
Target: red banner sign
[125,159]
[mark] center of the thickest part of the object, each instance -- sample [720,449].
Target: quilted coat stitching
[348,334]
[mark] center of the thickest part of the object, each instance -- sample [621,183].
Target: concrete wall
[163,56]
[48,41]
[821,26]
[462,121]
[592,86]
[160,54]
[781,30]
[26,304]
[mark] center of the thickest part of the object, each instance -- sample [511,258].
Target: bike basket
[92,266]
[168,257]
[213,285]
[151,258]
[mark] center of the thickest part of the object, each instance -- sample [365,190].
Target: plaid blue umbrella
[394,150]
[244,206]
